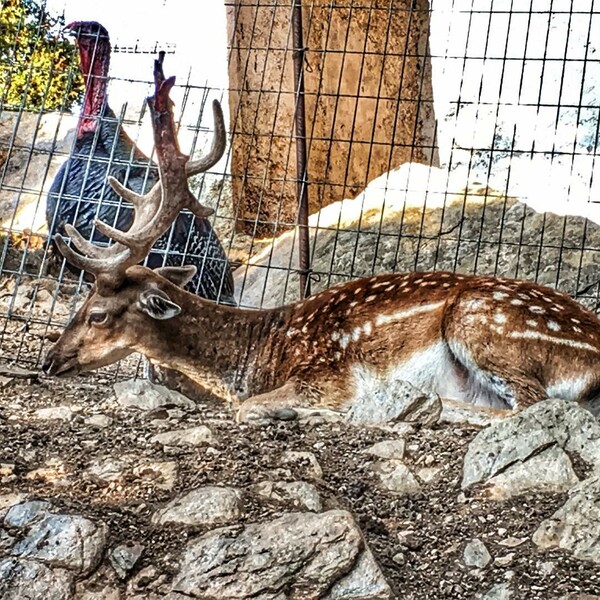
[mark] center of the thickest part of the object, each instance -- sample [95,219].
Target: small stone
[476,554]
[298,494]
[408,539]
[209,505]
[512,542]
[162,474]
[55,413]
[546,567]
[124,557]
[194,436]
[500,591]
[395,476]
[106,470]
[387,449]
[504,561]
[403,429]
[307,459]
[428,474]
[99,421]
[399,558]
[6,469]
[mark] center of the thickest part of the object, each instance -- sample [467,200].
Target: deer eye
[98,317]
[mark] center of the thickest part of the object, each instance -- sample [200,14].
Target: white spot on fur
[537,309]
[574,320]
[446,285]
[367,328]
[390,288]
[356,334]
[496,329]
[335,336]
[475,304]
[568,389]
[353,303]
[405,314]
[418,281]
[370,298]
[291,331]
[500,318]
[524,296]
[357,291]
[577,330]
[499,295]
[344,340]
[535,335]
[516,302]
[531,323]
[553,325]
[379,284]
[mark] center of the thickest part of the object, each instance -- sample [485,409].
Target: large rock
[316,557]
[553,428]
[22,579]
[140,393]
[395,401]
[207,505]
[395,476]
[576,525]
[549,471]
[193,436]
[66,541]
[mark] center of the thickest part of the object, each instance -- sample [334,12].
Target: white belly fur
[433,369]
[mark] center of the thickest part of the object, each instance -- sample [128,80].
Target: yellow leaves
[38,67]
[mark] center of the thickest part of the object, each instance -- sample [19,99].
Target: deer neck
[232,352]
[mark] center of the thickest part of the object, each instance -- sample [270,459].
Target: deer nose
[48,366]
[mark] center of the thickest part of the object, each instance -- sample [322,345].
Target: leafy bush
[38,66]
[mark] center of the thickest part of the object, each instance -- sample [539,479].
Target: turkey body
[80,192]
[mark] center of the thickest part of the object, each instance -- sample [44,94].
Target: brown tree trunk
[369,102]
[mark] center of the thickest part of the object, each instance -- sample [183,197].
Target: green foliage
[38,66]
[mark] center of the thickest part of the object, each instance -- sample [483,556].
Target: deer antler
[155,211]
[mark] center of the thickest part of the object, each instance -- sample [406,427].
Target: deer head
[125,296]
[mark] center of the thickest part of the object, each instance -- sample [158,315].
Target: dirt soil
[418,541]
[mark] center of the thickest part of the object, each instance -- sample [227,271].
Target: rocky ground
[128,491]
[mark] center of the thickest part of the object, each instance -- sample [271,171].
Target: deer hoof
[256,413]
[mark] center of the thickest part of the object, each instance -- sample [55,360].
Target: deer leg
[284,404]
[493,378]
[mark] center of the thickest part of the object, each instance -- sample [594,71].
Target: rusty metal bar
[301,160]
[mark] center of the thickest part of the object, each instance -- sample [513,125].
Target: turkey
[80,192]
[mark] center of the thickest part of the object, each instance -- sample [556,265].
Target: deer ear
[156,304]
[177,275]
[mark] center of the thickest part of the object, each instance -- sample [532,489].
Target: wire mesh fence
[389,136]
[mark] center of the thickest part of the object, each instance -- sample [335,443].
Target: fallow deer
[498,342]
